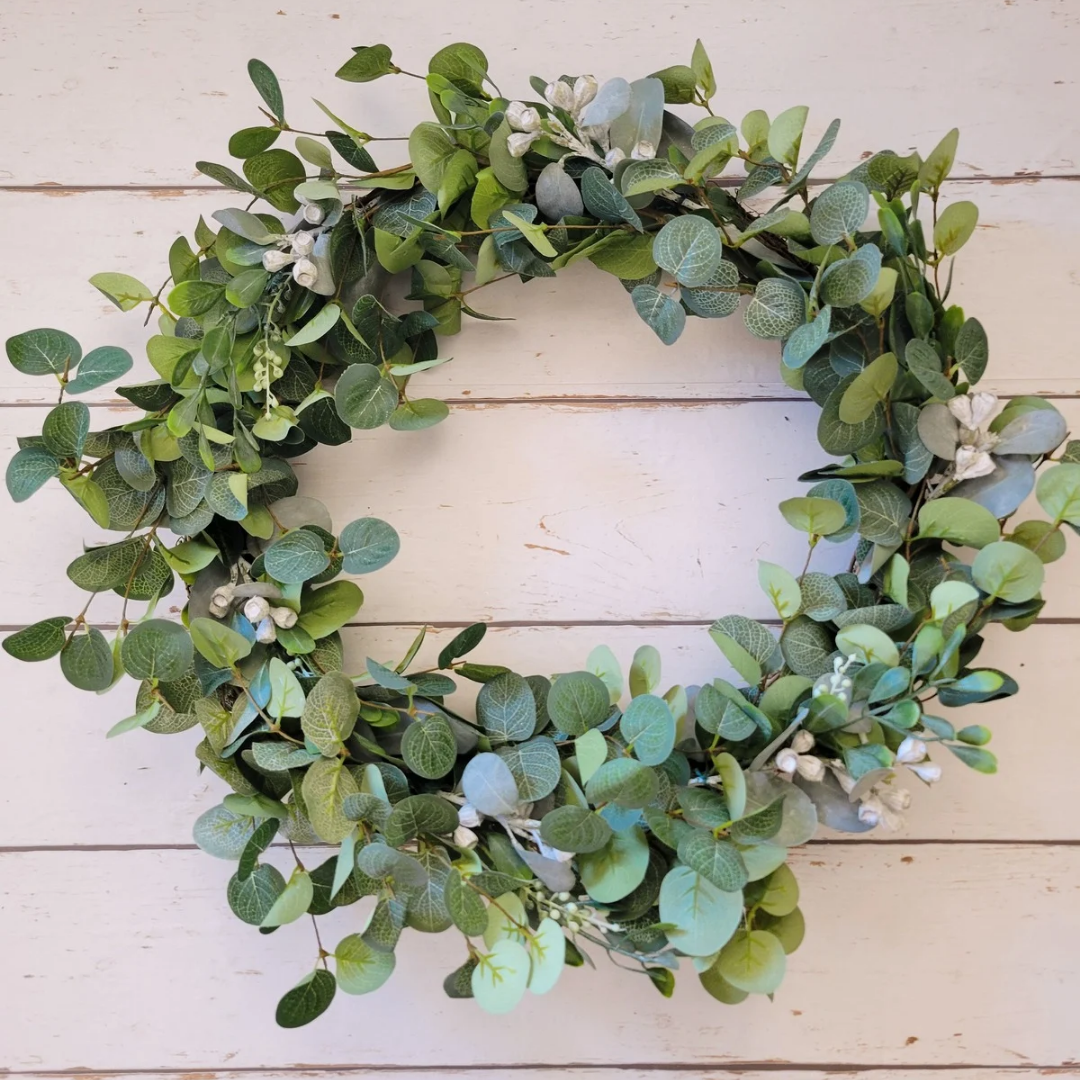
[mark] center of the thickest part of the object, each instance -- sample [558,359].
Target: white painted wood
[925,954]
[576,335]
[123,95]
[532,513]
[704,1072]
[143,788]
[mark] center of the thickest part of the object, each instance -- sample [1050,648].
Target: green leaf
[868,389]
[626,255]
[718,861]
[327,784]
[925,364]
[547,950]
[761,825]
[65,429]
[938,165]
[618,868]
[604,201]
[267,85]
[884,512]
[1058,492]
[679,84]
[99,367]
[418,414]
[644,670]
[275,174]
[365,398]
[489,785]
[972,350]
[648,727]
[954,227]
[574,828]
[123,290]
[622,781]
[43,352]
[462,643]
[753,961]
[217,643]
[689,248]
[780,586]
[223,834]
[194,298]
[703,70]
[417,815]
[785,134]
[87,661]
[244,144]
[224,176]
[868,644]
[849,281]
[360,968]
[428,746]
[652,174]
[660,311]
[804,341]
[368,62]
[307,1000]
[577,702]
[500,978]
[839,438]
[368,544]
[252,897]
[814,516]
[839,211]
[701,917]
[330,712]
[777,308]
[1007,571]
[975,758]
[39,641]
[296,557]
[328,609]
[959,521]
[109,566]
[28,470]
[157,649]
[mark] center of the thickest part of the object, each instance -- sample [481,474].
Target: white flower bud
[559,94]
[613,157]
[802,742]
[844,779]
[221,601]
[284,617]
[787,761]
[274,260]
[871,811]
[465,837]
[554,914]
[518,144]
[584,91]
[911,751]
[469,816]
[928,772]
[895,798]
[811,768]
[266,632]
[522,117]
[563,897]
[257,609]
[302,243]
[305,273]
[313,214]
[643,151]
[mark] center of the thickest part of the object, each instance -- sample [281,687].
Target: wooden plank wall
[589,486]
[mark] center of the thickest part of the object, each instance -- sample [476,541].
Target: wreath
[570,814]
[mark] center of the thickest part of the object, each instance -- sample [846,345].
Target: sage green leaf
[1058,492]
[534,764]
[660,311]
[718,861]
[325,610]
[428,747]
[368,62]
[276,174]
[651,174]
[748,646]
[887,617]
[227,494]
[884,512]
[327,784]
[780,586]
[850,281]
[578,701]
[39,641]
[307,1000]
[157,649]
[648,727]
[807,647]
[574,828]
[107,567]
[623,781]
[330,712]
[417,815]
[243,144]
[731,774]
[65,429]
[868,389]
[28,470]
[785,134]
[360,968]
[804,341]
[267,85]
[123,290]
[868,644]
[217,643]
[604,201]
[689,248]
[43,352]
[813,515]
[364,397]
[590,750]
[839,211]
[760,825]
[1007,571]
[223,834]
[716,986]
[100,366]
[822,148]
[418,414]
[193,298]
[87,661]
[509,171]
[925,364]
[644,670]
[754,961]
[465,905]
[187,487]
[296,557]
[972,349]
[506,709]
[719,296]
[822,597]
[954,227]
[778,307]
[500,977]
[837,437]
[701,917]
[959,521]
[547,950]
[489,785]
[618,868]
[940,162]
[781,893]
[368,544]
[252,896]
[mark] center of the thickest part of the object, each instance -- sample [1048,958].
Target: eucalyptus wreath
[568,814]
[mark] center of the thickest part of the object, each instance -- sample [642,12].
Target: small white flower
[787,761]
[972,410]
[559,94]
[465,837]
[518,144]
[871,811]
[257,609]
[302,243]
[613,157]
[971,463]
[266,632]
[803,742]
[911,751]
[469,816]
[313,214]
[895,798]
[584,91]
[811,768]
[928,772]
[283,617]
[843,777]
[221,601]
[643,151]
[305,273]
[522,117]
[275,260]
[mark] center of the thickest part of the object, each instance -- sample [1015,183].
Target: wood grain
[931,954]
[134,95]
[574,336]
[145,789]
[575,1072]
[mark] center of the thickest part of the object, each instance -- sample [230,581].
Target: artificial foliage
[577,813]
